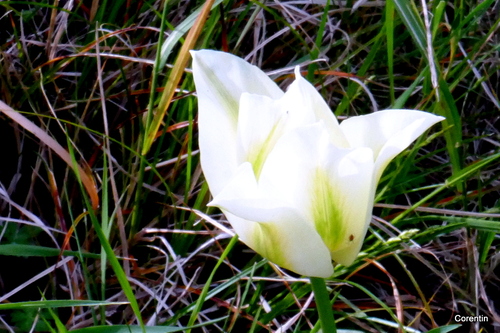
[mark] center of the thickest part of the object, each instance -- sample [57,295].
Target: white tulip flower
[297,187]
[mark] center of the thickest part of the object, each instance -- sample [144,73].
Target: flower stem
[323,304]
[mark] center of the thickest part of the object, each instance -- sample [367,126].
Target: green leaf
[22,250]
[444,329]
[407,10]
[436,19]
[138,329]
[128,329]
[458,177]
[54,304]
[180,30]
[389,29]
[447,108]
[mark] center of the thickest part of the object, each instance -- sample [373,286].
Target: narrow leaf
[175,76]
[87,180]
[55,304]
[413,22]
[24,250]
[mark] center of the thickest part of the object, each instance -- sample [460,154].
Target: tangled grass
[103,218]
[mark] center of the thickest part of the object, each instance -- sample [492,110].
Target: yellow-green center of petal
[258,153]
[265,237]
[326,210]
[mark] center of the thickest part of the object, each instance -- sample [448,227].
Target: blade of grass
[477,11]
[204,291]
[389,32]
[115,264]
[153,121]
[414,24]
[283,302]
[84,175]
[459,177]
[438,15]
[375,298]
[104,188]
[118,269]
[26,250]
[137,329]
[445,329]
[175,77]
[218,289]
[417,287]
[179,31]
[55,304]
[59,324]
[407,10]
[313,67]
[447,108]
[367,63]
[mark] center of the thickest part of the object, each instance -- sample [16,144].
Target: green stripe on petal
[221,79]
[326,211]
[287,239]
[265,237]
[271,227]
[258,154]
[260,125]
[341,195]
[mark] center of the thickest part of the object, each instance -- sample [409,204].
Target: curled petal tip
[297,72]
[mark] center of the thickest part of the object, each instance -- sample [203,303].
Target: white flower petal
[387,132]
[261,122]
[332,187]
[223,77]
[220,80]
[294,157]
[343,192]
[303,99]
[218,149]
[287,240]
[296,186]
[275,231]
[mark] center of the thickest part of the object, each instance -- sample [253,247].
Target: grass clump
[106,214]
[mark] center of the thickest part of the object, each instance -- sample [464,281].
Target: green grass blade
[204,291]
[138,329]
[175,77]
[438,15]
[55,304]
[26,250]
[180,30]
[115,264]
[444,329]
[389,32]
[406,9]
[458,177]
[313,67]
[446,107]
